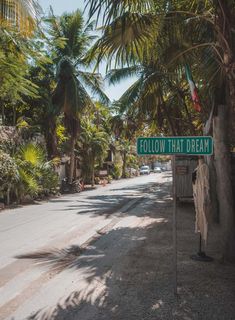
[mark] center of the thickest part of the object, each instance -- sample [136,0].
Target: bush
[128,174]
[49,181]
[9,174]
[37,175]
[109,178]
[97,180]
[117,172]
[28,174]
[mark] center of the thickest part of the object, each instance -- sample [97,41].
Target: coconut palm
[93,146]
[124,129]
[71,95]
[130,37]
[156,100]
[42,112]
[160,95]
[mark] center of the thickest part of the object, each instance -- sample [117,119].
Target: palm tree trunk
[3,115]
[229,251]
[51,138]
[72,159]
[124,164]
[224,183]
[231,102]
[93,173]
[8,195]
[224,127]
[14,115]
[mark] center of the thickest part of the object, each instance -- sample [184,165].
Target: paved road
[41,246]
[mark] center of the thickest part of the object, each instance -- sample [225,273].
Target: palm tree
[156,99]
[93,145]
[124,129]
[70,94]
[42,112]
[203,30]
[130,37]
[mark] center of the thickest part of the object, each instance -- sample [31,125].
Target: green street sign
[175,145]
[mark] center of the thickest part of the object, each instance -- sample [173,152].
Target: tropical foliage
[93,145]
[71,96]
[9,175]
[156,40]
[44,83]
[49,88]
[36,173]
[13,70]
[27,173]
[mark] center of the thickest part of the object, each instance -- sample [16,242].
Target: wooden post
[174,225]
[224,183]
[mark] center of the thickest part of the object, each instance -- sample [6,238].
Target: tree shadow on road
[117,281]
[108,204]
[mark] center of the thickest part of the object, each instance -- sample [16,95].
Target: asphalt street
[42,245]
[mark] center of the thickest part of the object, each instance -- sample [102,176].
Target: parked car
[144,170]
[157,170]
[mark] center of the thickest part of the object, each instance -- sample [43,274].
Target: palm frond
[29,182]
[70,95]
[114,76]
[111,9]
[32,153]
[130,96]
[94,81]
[127,39]
[69,35]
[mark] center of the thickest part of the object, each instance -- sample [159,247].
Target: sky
[61,6]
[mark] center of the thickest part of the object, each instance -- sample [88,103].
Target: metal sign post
[174,227]
[174,146]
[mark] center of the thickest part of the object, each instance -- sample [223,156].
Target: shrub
[36,173]
[29,173]
[109,178]
[117,172]
[128,174]
[97,180]
[9,175]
